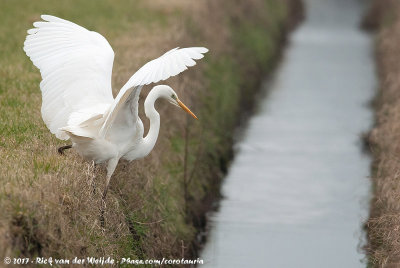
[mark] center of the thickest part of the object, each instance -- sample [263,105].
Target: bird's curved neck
[151,113]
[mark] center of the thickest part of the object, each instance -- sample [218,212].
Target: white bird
[76,66]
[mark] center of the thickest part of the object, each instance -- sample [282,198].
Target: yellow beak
[186,109]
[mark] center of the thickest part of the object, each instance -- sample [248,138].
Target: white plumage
[76,67]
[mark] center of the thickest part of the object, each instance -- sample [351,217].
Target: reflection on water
[297,192]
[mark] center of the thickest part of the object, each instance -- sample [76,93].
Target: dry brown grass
[383,227]
[50,204]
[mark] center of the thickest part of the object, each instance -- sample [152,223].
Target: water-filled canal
[297,192]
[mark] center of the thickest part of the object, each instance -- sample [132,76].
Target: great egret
[76,66]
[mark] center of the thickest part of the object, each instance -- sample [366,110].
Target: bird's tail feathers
[77,133]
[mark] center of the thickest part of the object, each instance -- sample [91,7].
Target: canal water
[297,192]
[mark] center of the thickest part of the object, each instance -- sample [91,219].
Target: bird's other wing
[76,66]
[170,64]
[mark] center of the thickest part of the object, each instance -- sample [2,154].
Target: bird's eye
[173,96]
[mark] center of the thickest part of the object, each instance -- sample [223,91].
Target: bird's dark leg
[112,164]
[103,202]
[61,149]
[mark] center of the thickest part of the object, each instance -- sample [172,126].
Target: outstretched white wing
[170,64]
[76,66]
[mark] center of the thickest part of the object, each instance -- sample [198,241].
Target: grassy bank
[384,223]
[155,206]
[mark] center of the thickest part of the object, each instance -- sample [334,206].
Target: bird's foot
[61,149]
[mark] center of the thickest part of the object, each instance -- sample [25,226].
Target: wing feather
[170,64]
[76,66]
